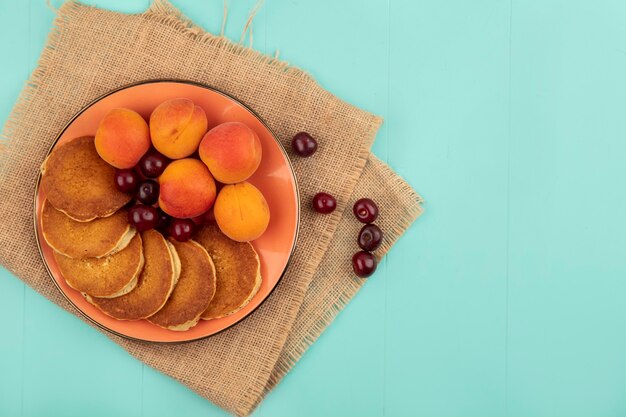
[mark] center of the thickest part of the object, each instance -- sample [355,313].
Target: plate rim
[156,81]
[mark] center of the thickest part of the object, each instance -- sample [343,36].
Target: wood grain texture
[505,298]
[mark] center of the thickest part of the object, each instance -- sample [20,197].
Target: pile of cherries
[370,237]
[365,210]
[143,214]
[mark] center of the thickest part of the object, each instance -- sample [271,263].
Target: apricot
[232,151]
[241,212]
[187,188]
[176,127]
[122,138]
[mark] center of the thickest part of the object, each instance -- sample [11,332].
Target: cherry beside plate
[275,178]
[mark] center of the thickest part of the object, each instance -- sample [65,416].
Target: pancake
[193,292]
[154,286]
[111,276]
[238,271]
[79,183]
[94,239]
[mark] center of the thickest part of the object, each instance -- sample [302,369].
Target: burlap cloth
[92,51]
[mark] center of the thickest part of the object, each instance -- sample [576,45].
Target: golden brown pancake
[154,286]
[94,239]
[79,183]
[111,276]
[238,271]
[193,292]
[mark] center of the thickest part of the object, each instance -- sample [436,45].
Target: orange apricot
[187,188]
[122,138]
[176,127]
[241,212]
[232,151]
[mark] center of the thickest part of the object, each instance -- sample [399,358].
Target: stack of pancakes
[130,275]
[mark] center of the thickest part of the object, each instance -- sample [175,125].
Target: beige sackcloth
[92,51]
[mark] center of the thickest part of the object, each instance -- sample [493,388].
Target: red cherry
[148,192]
[182,229]
[163,220]
[126,180]
[303,144]
[363,264]
[370,237]
[365,210]
[152,164]
[324,203]
[142,217]
[205,218]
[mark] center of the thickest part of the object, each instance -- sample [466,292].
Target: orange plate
[275,178]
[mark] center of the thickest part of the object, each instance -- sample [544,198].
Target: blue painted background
[507,298]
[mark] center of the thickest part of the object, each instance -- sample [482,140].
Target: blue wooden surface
[505,299]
